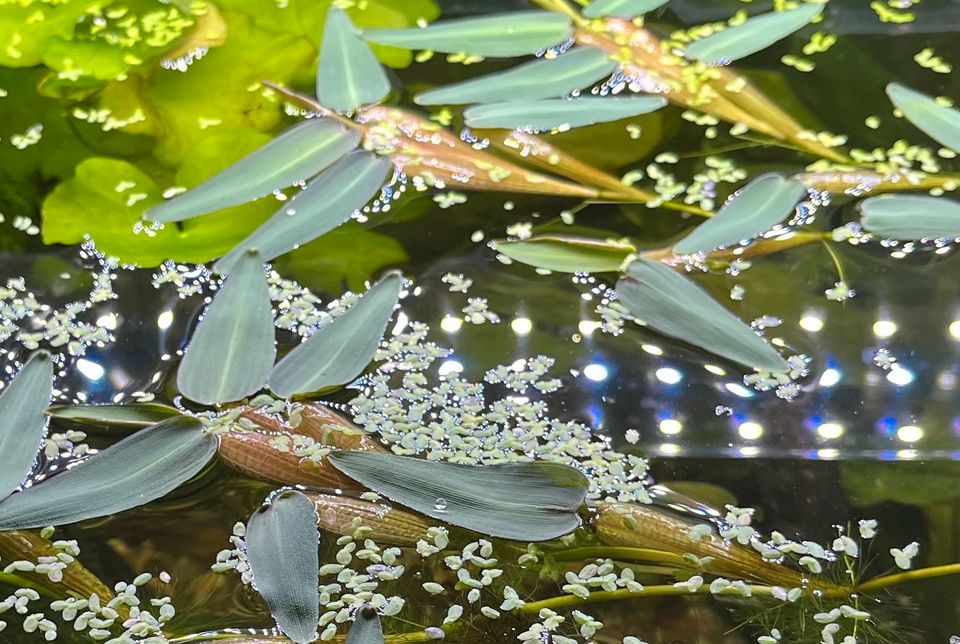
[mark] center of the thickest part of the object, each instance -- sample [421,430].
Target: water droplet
[440,504]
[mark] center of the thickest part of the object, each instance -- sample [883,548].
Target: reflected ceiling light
[738,390]
[671,426]
[830,431]
[828,454]
[107,321]
[587,327]
[900,376]
[521,326]
[884,328]
[90,369]
[909,433]
[451,324]
[670,449]
[596,372]
[652,349]
[811,323]
[402,321]
[164,320]
[750,430]
[830,377]
[954,329]
[450,366]
[714,369]
[668,375]
[749,450]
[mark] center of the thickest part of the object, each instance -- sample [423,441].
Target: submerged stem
[886,581]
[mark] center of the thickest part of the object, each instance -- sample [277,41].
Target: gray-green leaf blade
[282,541]
[677,307]
[366,627]
[340,351]
[567,254]
[751,36]
[937,121]
[621,8]
[911,217]
[140,468]
[348,74]
[232,349]
[326,202]
[762,204]
[22,422]
[524,501]
[135,415]
[499,35]
[544,78]
[551,114]
[296,154]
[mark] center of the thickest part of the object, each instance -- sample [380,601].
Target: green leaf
[568,254]
[22,422]
[751,36]
[544,78]
[677,307]
[345,258]
[762,204]
[232,349]
[559,113]
[326,202]
[910,217]
[628,9]
[366,627]
[128,474]
[500,35]
[135,415]
[296,154]
[936,121]
[282,541]
[27,28]
[340,351]
[525,501]
[348,74]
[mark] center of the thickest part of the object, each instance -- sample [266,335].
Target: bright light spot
[107,321]
[449,366]
[451,324]
[670,449]
[714,369]
[738,390]
[587,327]
[402,321]
[669,375]
[749,451]
[164,320]
[830,377]
[652,349]
[830,430]
[954,329]
[596,372]
[884,328]
[750,430]
[900,376]
[519,364]
[828,454]
[671,426]
[521,326]
[811,323]
[910,433]
[907,454]
[90,369]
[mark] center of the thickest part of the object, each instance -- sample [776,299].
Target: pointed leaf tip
[232,349]
[366,627]
[348,74]
[339,352]
[753,35]
[282,547]
[22,405]
[937,121]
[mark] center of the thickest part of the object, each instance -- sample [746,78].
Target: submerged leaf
[22,404]
[677,307]
[910,217]
[762,204]
[134,415]
[296,154]
[366,627]
[523,501]
[751,36]
[937,121]
[232,349]
[544,78]
[140,468]
[340,351]
[282,540]
[621,8]
[500,35]
[568,254]
[326,202]
[559,113]
[348,75]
